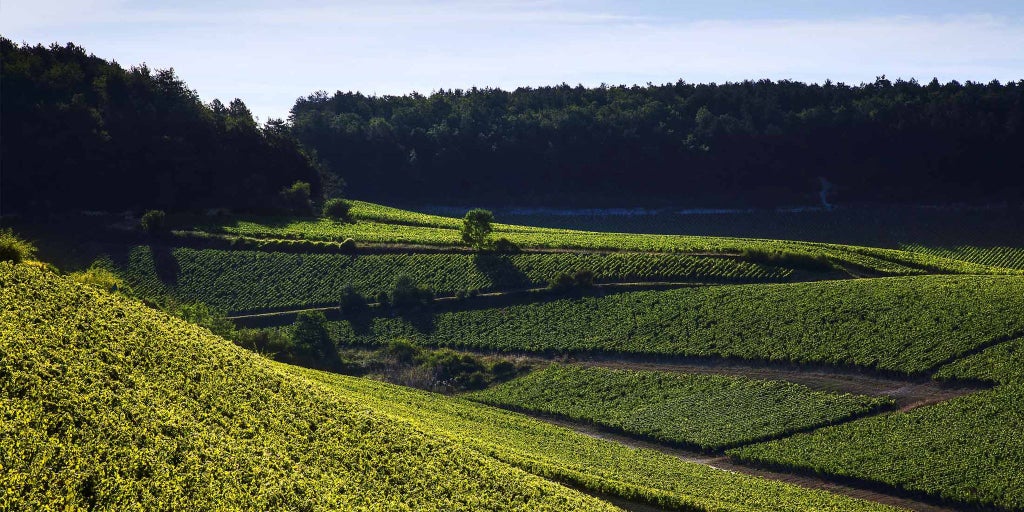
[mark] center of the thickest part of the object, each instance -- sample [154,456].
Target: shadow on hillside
[167,268]
[500,271]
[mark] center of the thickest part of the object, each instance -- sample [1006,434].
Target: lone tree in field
[476,226]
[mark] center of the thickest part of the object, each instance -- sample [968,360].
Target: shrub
[403,350]
[792,259]
[352,303]
[583,279]
[100,277]
[348,246]
[338,209]
[153,222]
[13,248]
[561,283]
[407,294]
[296,198]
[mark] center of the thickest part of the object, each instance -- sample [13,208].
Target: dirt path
[726,464]
[909,393]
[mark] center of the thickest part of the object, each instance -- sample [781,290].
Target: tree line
[82,133]
[753,143]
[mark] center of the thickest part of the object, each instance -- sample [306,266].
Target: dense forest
[80,132]
[745,144]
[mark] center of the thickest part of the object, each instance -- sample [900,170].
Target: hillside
[111,405]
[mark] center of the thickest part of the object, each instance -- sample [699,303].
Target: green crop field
[703,411]
[1003,363]
[967,451]
[1006,257]
[563,455]
[907,325]
[379,224]
[252,280]
[108,404]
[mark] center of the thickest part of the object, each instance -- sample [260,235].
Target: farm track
[725,463]
[909,393]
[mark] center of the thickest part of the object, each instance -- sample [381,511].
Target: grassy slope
[107,404]
[704,411]
[907,324]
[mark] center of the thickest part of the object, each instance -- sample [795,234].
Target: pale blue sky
[270,53]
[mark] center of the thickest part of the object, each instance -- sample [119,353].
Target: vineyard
[1006,257]
[1002,363]
[112,405]
[904,325]
[565,456]
[384,225]
[967,451]
[706,412]
[253,280]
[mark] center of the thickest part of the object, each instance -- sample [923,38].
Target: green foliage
[348,246]
[1002,363]
[297,198]
[352,303]
[407,294]
[92,135]
[153,222]
[788,258]
[379,224]
[216,321]
[1007,257]
[254,280]
[907,325]
[110,405]
[99,276]
[13,248]
[338,209]
[454,370]
[312,342]
[476,227]
[593,464]
[968,450]
[701,411]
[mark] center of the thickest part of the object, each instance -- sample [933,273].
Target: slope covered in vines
[106,404]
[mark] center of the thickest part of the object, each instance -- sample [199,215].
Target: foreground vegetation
[907,325]
[111,405]
[707,412]
[593,464]
[966,451]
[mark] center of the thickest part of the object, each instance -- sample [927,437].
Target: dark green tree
[476,227]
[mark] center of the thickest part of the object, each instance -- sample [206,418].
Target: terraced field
[706,412]
[240,281]
[1006,257]
[903,325]
[109,404]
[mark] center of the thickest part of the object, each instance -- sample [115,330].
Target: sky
[271,53]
